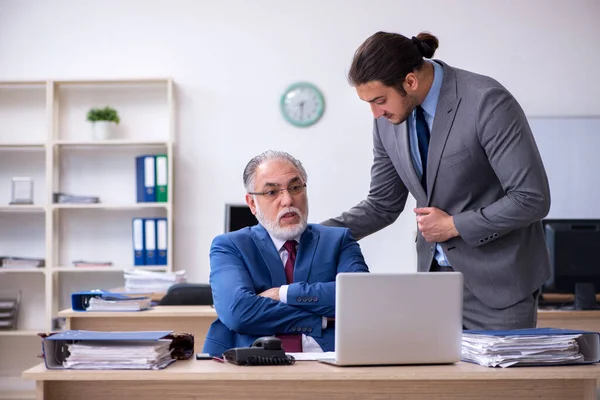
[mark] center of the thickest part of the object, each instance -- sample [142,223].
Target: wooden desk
[569,319]
[181,319]
[193,379]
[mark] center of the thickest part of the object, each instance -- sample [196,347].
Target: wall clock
[302,104]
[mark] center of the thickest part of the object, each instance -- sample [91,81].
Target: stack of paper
[120,304]
[119,355]
[151,282]
[493,350]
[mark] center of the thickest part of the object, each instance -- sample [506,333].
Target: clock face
[302,104]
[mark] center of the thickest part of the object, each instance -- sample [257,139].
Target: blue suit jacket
[245,263]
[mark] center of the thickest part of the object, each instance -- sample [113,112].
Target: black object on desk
[188,294]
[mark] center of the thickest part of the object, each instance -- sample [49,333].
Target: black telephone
[264,351]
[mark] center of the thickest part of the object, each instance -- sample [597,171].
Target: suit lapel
[403,148]
[269,254]
[442,123]
[306,253]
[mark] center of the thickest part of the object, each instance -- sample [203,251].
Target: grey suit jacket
[485,170]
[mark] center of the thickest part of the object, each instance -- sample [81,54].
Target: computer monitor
[238,216]
[574,249]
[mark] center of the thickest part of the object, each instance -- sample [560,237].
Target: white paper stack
[505,351]
[150,281]
[132,304]
[142,354]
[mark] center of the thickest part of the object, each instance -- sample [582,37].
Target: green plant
[103,114]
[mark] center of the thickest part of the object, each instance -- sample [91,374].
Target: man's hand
[272,293]
[435,225]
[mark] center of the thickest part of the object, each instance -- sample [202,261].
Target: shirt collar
[279,243]
[431,101]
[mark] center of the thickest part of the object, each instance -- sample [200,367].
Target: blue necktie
[423,139]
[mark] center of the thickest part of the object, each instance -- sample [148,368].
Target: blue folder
[161,241]
[589,342]
[138,241]
[145,171]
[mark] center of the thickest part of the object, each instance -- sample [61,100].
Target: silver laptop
[395,319]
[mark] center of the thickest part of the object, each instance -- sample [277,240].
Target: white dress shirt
[308,343]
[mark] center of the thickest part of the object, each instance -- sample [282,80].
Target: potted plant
[103,121]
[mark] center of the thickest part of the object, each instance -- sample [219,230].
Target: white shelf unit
[44,135]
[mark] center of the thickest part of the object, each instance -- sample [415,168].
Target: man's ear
[411,83]
[251,203]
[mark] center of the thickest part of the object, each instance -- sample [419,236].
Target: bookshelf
[44,135]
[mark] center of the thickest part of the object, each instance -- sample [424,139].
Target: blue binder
[54,347]
[150,241]
[145,168]
[161,241]
[81,300]
[589,342]
[137,239]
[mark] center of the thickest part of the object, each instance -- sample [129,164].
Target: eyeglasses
[272,194]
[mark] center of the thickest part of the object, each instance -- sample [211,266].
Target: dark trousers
[479,316]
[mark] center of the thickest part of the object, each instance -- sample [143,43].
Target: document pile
[22,262]
[151,281]
[76,199]
[108,350]
[540,346]
[105,303]
[115,355]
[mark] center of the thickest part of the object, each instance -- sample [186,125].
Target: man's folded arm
[241,309]
[319,297]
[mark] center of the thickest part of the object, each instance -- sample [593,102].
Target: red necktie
[290,246]
[291,343]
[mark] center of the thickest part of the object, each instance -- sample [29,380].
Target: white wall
[232,59]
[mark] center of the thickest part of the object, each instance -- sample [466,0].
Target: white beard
[279,232]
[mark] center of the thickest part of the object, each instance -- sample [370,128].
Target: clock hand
[301,108]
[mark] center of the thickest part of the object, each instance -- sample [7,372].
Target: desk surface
[571,314]
[157,311]
[193,370]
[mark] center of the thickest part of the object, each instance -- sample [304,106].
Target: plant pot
[103,130]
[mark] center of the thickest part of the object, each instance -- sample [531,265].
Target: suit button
[299,299]
[309,299]
[305,299]
[481,240]
[304,329]
[316,298]
[496,235]
[431,249]
[310,329]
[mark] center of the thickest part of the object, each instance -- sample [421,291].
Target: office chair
[188,294]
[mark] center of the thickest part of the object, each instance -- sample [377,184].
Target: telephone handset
[264,351]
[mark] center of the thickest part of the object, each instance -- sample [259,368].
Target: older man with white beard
[278,277]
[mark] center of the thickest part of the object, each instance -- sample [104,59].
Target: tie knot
[290,246]
[420,112]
